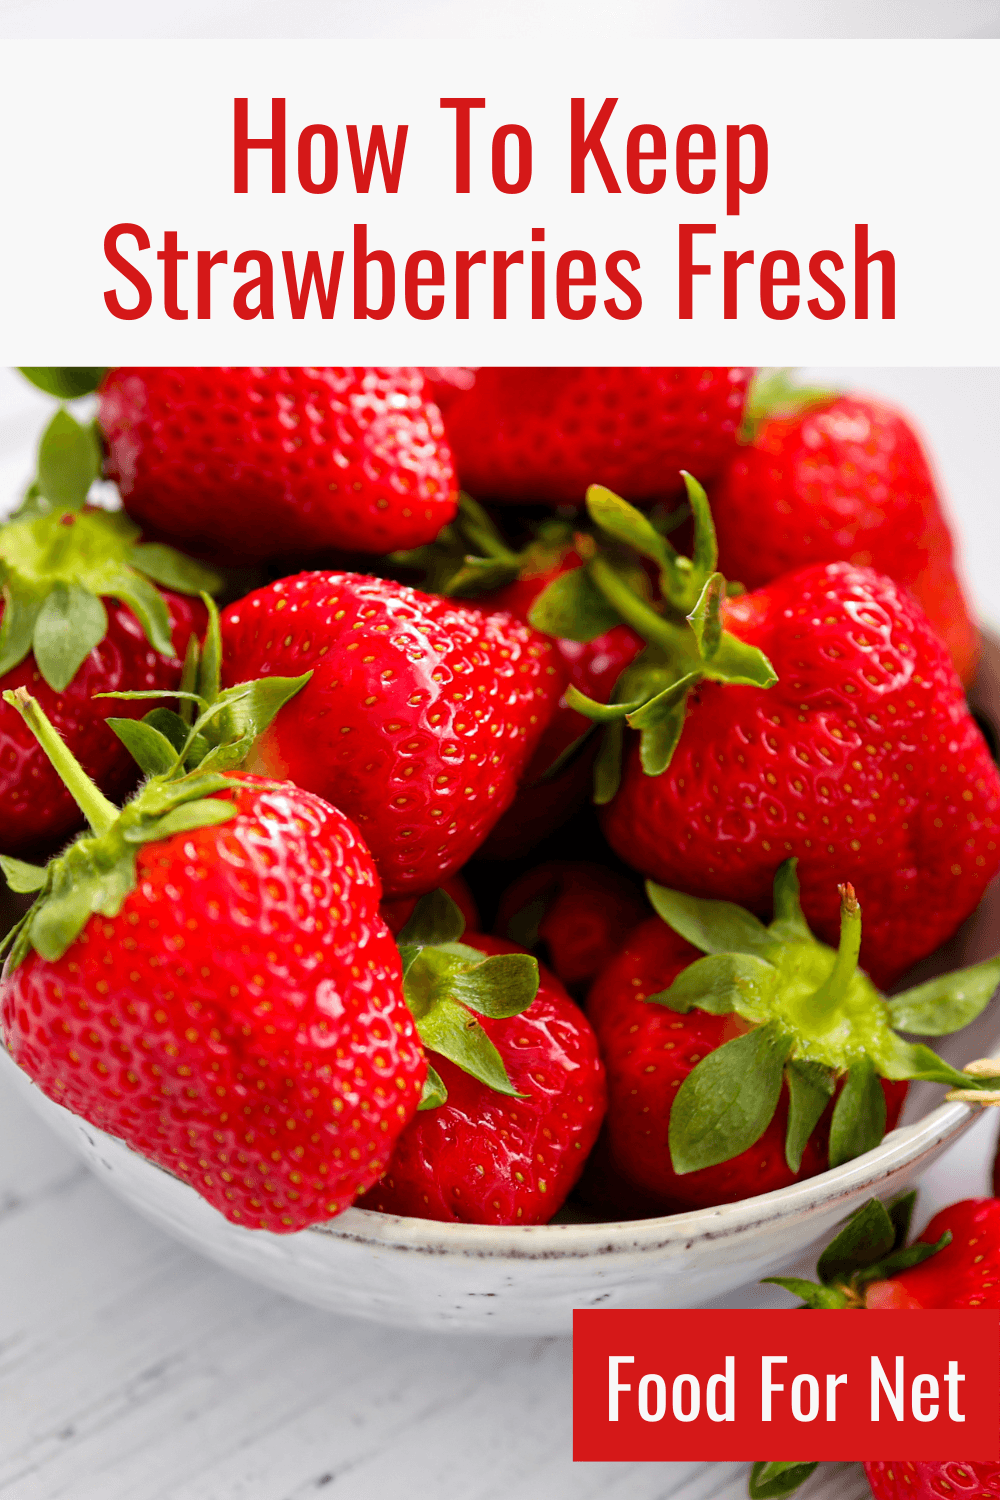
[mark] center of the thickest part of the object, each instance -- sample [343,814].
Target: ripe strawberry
[206,975]
[396,913]
[827,478]
[80,614]
[862,758]
[252,463]
[489,1157]
[740,1072]
[420,718]
[544,435]
[954,1264]
[574,915]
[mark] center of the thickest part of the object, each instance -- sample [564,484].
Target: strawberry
[485,1155]
[205,974]
[765,1061]
[829,477]
[818,717]
[420,718]
[954,1264]
[576,915]
[252,463]
[544,435]
[80,614]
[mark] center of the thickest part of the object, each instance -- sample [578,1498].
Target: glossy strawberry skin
[846,480]
[396,913]
[37,813]
[485,1158]
[544,435]
[648,1051]
[955,1480]
[420,717]
[965,1273]
[582,914]
[863,761]
[241,1021]
[248,463]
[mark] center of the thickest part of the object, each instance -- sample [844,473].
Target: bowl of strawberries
[490,906]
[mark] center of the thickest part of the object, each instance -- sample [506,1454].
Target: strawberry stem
[828,997]
[673,639]
[96,808]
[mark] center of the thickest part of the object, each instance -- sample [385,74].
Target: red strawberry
[396,913]
[546,434]
[250,463]
[420,718]
[829,477]
[483,1157]
[863,758]
[576,915]
[80,615]
[954,1264]
[955,1480]
[207,977]
[738,1073]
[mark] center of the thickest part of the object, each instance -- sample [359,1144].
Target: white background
[129,1368]
[900,135]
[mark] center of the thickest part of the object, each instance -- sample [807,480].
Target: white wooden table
[130,1369]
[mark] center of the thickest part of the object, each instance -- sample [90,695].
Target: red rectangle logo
[665,1384]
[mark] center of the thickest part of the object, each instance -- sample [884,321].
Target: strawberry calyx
[186,766]
[60,557]
[773,393]
[447,984]
[470,556]
[811,1020]
[870,1247]
[683,627]
[64,381]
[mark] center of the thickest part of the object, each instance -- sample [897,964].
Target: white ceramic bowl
[528,1279]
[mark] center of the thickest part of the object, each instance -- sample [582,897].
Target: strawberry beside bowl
[527,1280]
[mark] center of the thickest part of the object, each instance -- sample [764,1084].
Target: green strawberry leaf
[770,1481]
[450,1029]
[600,713]
[147,746]
[739,664]
[705,556]
[658,743]
[706,619]
[210,657]
[866,1238]
[626,524]
[573,608]
[148,606]
[182,819]
[914,1061]
[663,706]
[500,985]
[436,918]
[948,1003]
[810,1089]
[859,1115]
[21,877]
[821,1298]
[70,623]
[64,382]
[434,1091]
[69,460]
[22,607]
[901,1213]
[171,725]
[721,983]
[902,1260]
[172,570]
[608,764]
[789,924]
[727,1102]
[712,926]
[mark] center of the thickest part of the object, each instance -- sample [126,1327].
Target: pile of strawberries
[292,866]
